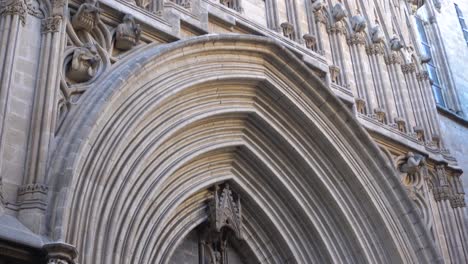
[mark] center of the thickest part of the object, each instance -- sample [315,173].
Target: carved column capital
[408,68]
[356,39]
[51,24]
[14,7]
[422,76]
[33,196]
[60,253]
[375,49]
[393,58]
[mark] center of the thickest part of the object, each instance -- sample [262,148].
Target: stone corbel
[288,30]
[400,124]
[360,105]
[310,41]
[380,114]
[33,196]
[127,33]
[334,73]
[60,253]
[419,133]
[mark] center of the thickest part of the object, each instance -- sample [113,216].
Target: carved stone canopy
[225,211]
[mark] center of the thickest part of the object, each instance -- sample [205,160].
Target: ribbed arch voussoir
[168,122]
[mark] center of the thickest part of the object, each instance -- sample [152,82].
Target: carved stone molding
[440,189]
[60,253]
[51,24]
[393,58]
[375,49]
[33,196]
[336,28]
[14,7]
[422,75]
[408,68]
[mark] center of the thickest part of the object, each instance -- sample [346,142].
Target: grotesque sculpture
[317,5]
[127,34]
[358,23]
[377,35]
[413,163]
[338,12]
[84,63]
[395,44]
[87,16]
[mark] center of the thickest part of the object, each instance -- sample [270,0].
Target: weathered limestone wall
[18,114]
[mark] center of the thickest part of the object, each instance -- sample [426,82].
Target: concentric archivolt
[161,128]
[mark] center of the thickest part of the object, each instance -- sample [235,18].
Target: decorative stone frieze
[185,3]
[422,75]
[375,49]
[60,253]
[84,63]
[334,73]
[358,23]
[400,124]
[33,196]
[440,189]
[395,44]
[408,68]
[393,58]
[360,105]
[310,41]
[288,30]
[51,24]
[380,114]
[14,7]
[356,39]
[338,12]
[87,17]
[127,33]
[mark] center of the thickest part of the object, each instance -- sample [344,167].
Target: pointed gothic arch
[136,160]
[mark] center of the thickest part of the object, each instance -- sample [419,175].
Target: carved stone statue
[358,23]
[377,34]
[317,5]
[338,12]
[413,163]
[395,44]
[127,34]
[87,16]
[84,63]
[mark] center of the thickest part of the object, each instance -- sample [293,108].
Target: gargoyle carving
[413,163]
[87,16]
[395,44]
[84,63]
[127,34]
[338,12]
[377,34]
[358,23]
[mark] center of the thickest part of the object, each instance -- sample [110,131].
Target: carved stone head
[84,63]
[127,33]
[87,16]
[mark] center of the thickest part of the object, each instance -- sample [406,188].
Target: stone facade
[232,131]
